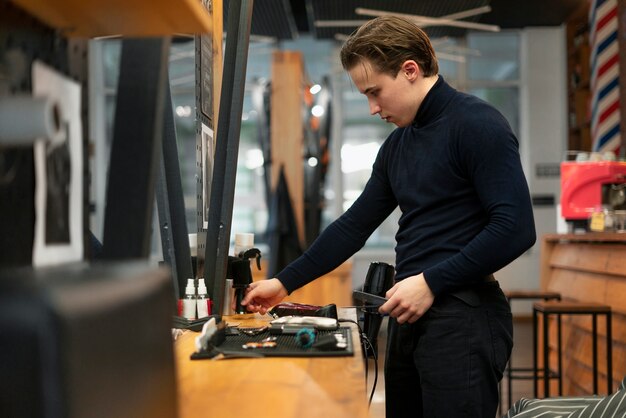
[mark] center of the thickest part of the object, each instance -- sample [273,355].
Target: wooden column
[287,134]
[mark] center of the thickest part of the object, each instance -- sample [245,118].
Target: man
[453,168]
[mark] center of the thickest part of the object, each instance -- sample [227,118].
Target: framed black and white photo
[58,174]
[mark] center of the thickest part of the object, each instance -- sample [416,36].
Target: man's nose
[374,108]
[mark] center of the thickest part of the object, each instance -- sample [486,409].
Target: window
[499,57]
[494,75]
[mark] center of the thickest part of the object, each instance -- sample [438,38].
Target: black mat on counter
[286,346]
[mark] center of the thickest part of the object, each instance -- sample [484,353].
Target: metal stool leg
[546,358]
[559,355]
[609,355]
[535,354]
[518,372]
[594,347]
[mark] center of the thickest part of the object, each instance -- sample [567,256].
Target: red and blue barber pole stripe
[605,112]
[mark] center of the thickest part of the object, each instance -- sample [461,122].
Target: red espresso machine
[591,186]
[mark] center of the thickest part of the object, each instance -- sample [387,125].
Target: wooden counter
[270,387]
[590,268]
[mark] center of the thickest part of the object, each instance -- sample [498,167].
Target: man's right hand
[262,295]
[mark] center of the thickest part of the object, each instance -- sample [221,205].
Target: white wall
[543,138]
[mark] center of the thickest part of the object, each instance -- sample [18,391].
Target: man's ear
[410,69]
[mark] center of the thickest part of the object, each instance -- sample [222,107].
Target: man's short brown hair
[387,42]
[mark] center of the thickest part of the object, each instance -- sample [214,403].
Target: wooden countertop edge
[591,237]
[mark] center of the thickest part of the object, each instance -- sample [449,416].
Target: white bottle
[229,296]
[243,241]
[189,303]
[203,300]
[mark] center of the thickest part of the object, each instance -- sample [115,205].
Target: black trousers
[448,363]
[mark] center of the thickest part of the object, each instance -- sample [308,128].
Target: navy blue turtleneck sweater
[456,175]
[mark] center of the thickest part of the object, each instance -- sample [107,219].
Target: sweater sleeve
[488,150]
[346,235]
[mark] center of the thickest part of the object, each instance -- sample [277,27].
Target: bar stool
[523,373]
[569,308]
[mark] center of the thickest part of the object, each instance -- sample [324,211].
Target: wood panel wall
[334,287]
[586,269]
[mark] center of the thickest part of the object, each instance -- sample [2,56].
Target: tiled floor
[522,356]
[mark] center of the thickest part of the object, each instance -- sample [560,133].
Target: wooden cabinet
[587,268]
[578,80]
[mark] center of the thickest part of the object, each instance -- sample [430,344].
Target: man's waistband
[487,279]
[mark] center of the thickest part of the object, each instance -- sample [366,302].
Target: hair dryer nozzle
[379,278]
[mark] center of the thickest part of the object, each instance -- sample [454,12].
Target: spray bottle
[203,302]
[244,241]
[189,303]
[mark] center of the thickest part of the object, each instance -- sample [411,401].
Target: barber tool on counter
[289,336]
[240,273]
[303,309]
[213,334]
[293,324]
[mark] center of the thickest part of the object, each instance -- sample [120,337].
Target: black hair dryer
[379,279]
[240,272]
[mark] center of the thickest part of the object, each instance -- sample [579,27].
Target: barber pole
[605,102]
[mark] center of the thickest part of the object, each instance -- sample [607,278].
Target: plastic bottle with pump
[239,267]
[203,302]
[237,278]
[190,303]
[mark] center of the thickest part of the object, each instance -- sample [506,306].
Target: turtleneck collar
[434,102]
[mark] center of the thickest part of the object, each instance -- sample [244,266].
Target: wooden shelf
[133,18]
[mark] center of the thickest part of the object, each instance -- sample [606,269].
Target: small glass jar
[609,220]
[620,221]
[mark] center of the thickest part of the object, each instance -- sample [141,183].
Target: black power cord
[10,162]
[366,343]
